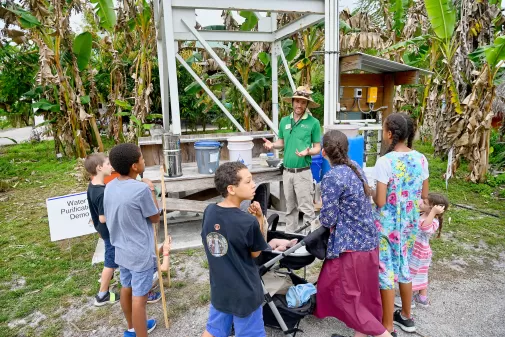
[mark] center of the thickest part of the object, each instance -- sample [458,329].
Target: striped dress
[421,255]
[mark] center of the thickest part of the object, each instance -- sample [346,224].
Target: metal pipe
[326,63]
[286,66]
[209,92]
[162,62]
[337,56]
[232,78]
[171,49]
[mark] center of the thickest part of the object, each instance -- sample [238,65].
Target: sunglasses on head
[301,93]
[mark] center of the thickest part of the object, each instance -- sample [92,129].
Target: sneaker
[394,333]
[153,296]
[109,298]
[417,299]
[398,302]
[406,324]
[151,324]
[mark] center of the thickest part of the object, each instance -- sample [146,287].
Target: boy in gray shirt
[130,209]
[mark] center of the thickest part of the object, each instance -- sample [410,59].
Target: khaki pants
[299,193]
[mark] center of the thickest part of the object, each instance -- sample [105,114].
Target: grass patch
[467,227]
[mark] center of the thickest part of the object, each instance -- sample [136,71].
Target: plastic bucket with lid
[355,152]
[207,156]
[316,166]
[240,149]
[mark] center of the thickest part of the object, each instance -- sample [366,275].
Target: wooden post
[160,277]
[165,217]
[387,100]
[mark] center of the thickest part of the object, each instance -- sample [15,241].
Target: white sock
[131,330]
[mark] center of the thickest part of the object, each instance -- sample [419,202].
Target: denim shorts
[109,255]
[140,282]
[219,324]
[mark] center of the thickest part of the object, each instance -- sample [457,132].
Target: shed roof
[374,64]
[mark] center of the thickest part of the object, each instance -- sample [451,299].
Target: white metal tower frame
[175,20]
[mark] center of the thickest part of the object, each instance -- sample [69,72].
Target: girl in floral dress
[402,180]
[348,285]
[431,219]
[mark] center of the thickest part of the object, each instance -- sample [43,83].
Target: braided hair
[435,199]
[411,129]
[336,146]
[397,124]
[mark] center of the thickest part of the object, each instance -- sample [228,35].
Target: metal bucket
[171,142]
[173,163]
[172,155]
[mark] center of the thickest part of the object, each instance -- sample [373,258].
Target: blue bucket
[316,166]
[207,155]
[356,152]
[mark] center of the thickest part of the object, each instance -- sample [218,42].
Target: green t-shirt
[298,136]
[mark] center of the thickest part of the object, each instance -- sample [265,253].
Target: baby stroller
[276,313]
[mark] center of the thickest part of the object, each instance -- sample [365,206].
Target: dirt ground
[467,296]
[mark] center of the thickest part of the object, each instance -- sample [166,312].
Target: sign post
[69,216]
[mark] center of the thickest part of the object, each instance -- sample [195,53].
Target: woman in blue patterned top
[348,285]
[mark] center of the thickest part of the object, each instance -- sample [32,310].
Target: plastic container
[356,152]
[207,156]
[263,158]
[348,129]
[240,149]
[316,167]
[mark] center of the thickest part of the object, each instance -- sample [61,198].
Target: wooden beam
[406,77]
[184,205]
[349,63]
[365,80]
[388,100]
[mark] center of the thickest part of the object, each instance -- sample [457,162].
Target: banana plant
[442,16]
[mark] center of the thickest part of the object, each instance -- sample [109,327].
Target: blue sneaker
[153,296]
[151,324]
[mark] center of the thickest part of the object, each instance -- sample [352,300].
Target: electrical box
[358,92]
[372,95]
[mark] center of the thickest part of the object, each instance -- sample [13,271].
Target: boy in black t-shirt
[98,166]
[232,239]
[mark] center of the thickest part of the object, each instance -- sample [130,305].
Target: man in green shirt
[300,137]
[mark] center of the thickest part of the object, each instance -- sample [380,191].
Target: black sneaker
[109,298]
[394,333]
[406,325]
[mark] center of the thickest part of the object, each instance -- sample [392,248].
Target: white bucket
[240,149]
[348,129]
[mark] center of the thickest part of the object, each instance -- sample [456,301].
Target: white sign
[69,216]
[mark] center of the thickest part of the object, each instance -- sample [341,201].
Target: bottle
[263,159]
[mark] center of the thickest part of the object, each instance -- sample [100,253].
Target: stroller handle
[312,236]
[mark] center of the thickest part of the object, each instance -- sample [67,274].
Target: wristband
[166,254]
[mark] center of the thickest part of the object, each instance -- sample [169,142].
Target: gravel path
[469,305]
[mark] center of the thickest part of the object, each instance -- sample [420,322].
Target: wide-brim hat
[302,93]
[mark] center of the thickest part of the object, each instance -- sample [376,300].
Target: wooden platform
[192,180]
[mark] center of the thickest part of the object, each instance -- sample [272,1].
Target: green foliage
[26,20]
[18,66]
[496,52]
[398,8]
[250,20]
[82,49]
[105,11]
[442,16]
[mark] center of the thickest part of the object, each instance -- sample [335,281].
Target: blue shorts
[219,324]
[110,254]
[140,282]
